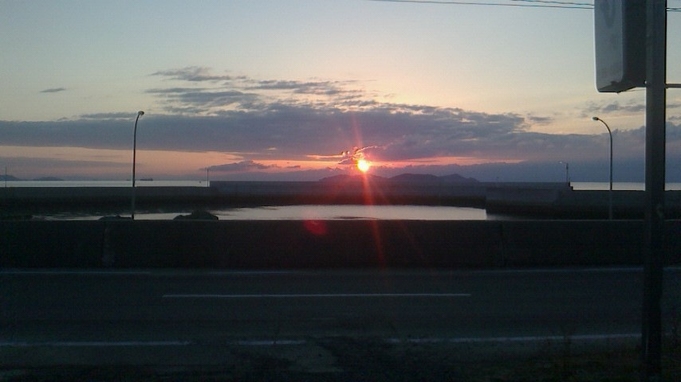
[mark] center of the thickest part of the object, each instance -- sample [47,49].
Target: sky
[499,90]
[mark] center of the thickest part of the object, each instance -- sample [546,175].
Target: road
[56,317]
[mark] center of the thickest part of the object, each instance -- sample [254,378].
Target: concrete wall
[325,244]
[531,200]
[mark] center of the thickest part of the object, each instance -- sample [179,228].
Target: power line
[518,4]
[534,4]
[561,3]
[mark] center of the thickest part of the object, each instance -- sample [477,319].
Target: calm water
[314,212]
[302,212]
[623,186]
[639,186]
[104,183]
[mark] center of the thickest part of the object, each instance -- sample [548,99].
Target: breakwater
[538,200]
[236,194]
[327,244]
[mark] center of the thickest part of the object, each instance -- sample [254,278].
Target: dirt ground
[367,359]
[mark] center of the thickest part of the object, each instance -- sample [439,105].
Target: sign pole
[656,59]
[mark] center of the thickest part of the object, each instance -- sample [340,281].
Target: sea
[621,186]
[629,186]
[301,212]
[104,183]
[305,212]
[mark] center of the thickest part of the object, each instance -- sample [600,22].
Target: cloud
[261,121]
[631,107]
[673,105]
[351,157]
[28,168]
[192,74]
[220,93]
[605,108]
[201,100]
[53,90]
[108,116]
[326,88]
[539,120]
[243,166]
[281,131]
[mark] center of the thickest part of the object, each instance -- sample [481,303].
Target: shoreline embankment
[527,200]
[572,229]
[309,244]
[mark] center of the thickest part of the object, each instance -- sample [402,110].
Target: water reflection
[353,212]
[317,212]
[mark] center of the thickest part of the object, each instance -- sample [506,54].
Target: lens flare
[363,165]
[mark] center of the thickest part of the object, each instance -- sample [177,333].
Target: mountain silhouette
[403,178]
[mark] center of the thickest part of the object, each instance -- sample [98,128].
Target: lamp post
[134,155]
[567,172]
[610,191]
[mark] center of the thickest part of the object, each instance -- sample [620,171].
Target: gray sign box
[620,32]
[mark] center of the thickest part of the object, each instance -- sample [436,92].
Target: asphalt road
[71,317]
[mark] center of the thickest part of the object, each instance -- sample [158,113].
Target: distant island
[402,178]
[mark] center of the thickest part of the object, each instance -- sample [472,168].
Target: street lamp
[567,172]
[609,192]
[134,155]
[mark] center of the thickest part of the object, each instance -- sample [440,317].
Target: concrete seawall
[538,200]
[36,199]
[326,244]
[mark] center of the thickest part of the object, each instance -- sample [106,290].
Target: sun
[363,165]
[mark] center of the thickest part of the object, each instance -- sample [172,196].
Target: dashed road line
[315,295]
[295,342]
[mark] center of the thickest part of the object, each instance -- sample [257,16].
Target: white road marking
[158,272]
[294,342]
[267,342]
[316,295]
[582,337]
[254,273]
[25,344]
[625,269]
[73,272]
[251,342]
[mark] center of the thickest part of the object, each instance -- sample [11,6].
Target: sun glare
[363,165]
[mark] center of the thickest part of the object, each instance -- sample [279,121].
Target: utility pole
[656,70]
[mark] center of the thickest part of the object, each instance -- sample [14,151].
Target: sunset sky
[284,89]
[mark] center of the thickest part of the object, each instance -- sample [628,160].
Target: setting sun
[363,165]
